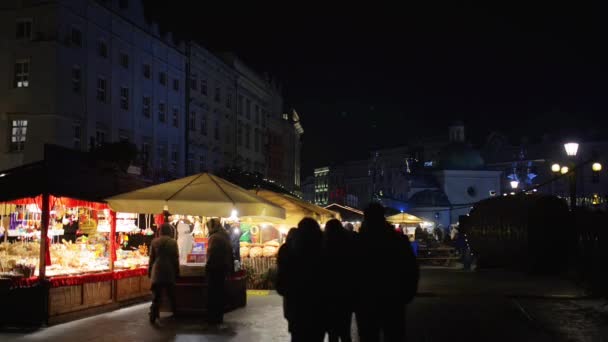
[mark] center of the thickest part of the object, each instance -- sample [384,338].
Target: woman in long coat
[163,269]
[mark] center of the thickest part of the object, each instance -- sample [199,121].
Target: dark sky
[363,77]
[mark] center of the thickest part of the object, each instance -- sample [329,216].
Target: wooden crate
[67,299]
[131,288]
[98,293]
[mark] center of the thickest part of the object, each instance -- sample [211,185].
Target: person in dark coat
[338,293]
[163,269]
[219,265]
[283,275]
[304,286]
[390,281]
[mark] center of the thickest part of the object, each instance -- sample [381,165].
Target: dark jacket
[391,270]
[219,252]
[164,260]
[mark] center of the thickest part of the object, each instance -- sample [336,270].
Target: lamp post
[514,184]
[571,150]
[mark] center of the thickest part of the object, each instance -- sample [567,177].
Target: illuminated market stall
[57,250]
[191,201]
[406,223]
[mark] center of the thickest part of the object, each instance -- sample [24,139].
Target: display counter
[191,291]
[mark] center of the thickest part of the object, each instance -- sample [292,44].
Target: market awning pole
[44,232]
[112,239]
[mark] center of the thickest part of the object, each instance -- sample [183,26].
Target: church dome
[459,156]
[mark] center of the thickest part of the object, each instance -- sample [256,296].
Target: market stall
[260,239]
[348,214]
[406,223]
[191,201]
[56,259]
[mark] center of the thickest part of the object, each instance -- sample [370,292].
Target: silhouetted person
[283,273]
[338,261]
[305,283]
[163,268]
[219,266]
[390,281]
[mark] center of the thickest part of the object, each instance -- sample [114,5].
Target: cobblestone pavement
[438,314]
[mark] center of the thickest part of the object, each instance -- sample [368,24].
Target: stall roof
[295,208]
[66,173]
[404,218]
[201,194]
[347,213]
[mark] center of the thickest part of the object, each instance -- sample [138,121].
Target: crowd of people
[327,276]
[324,277]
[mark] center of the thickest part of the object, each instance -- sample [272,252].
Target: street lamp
[556,168]
[564,170]
[514,184]
[571,149]
[596,167]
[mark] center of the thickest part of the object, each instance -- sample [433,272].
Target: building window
[257,114]
[124,4]
[175,117]
[201,163]
[176,84]
[192,121]
[216,130]
[204,87]
[204,124]
[146,106]
[190,163]
[218,94]
[102,49]
[147,71]
[239,105]
[239,133]
[76,37]
[18,135]
[256,137]
[124,60]
[101,89]
[162,78]
[228,99]
[24,29]
[76,78]
[22,73]
[77,137]
[145,152]
[193,82]
[124,98]
[247,136]
[248,109]
[227,134]
[174,157]
[100,138]
[162,112]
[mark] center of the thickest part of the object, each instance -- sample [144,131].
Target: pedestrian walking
[390,278]
[305,271]
[219,265]
[284,276]
[338,261]
[163,269]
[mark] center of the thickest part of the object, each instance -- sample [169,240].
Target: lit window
[76,37]
[175,118]
[146,106]
[24,29]
[76,79]
[22,73]
[124,60]
[101,89]
[147,71]
[124,98]
[18,135]
[162,113]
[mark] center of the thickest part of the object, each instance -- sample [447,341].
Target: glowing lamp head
[564,170]
[556,168]
[514,184]
[596,167]
[571,149]
[234,215]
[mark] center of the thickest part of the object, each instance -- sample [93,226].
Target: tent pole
[44,232]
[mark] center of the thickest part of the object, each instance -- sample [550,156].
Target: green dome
[460,157]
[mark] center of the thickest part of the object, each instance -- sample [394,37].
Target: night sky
[365,77]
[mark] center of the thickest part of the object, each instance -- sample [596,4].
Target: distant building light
[428,164]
